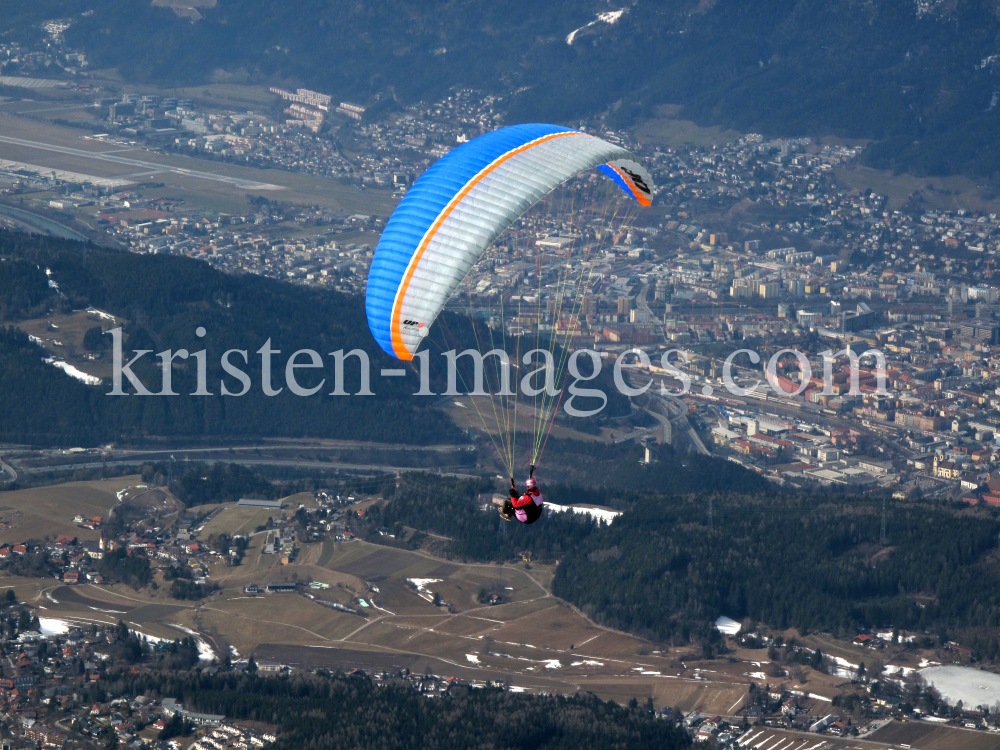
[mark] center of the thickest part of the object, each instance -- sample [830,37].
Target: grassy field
[667,130]
[532,638]
[945,193]
[234,520]
[925,736]
[41,512]
[68,332]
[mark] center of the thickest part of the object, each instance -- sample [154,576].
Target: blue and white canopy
[459,206]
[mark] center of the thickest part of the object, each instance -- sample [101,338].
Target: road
[683,423]
[324,465]
[9,475]
[638,433]
[677,414]
[318,444]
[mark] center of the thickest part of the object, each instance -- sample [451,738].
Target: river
[41,223]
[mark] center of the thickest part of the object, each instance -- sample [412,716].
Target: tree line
[314,712]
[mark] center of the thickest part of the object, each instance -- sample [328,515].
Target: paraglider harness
[528,503]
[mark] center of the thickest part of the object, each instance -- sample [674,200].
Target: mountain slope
[165,299]
[915,76]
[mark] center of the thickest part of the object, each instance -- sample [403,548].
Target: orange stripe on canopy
[643,200]
[397,340]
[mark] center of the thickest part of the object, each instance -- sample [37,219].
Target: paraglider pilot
[527,508]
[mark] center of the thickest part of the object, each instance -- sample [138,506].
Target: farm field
[757,738]
[47,512]
[667,130]
[374,605]
[921,735]
[533,640]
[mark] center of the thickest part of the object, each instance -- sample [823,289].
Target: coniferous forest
[337,711]
[162,301]
[673,563]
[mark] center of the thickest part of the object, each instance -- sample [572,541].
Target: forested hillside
[673,563]
[599,472]
[918,76]
[164,300]
[808,562]
[452,506]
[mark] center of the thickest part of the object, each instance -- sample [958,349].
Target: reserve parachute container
[461,204]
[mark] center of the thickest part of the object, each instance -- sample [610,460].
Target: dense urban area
[912,284]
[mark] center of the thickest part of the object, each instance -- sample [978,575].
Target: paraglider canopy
[459,206]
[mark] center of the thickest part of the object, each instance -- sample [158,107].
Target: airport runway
[146,167]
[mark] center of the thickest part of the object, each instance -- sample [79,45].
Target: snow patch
[971,686]
[52,626]
[601,514]
[842,662]
[72,371]
[757,675]
[844,669]
[58,626]
[610,17]
[727,626]
[53,284]
[422,583]
[587,662]
[472,658]
[553,664]
[101,314]
[886,635]
[205,652]
[811,695]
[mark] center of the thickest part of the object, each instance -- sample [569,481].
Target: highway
[779,407]
[676,411]
[282,445]
[323,465]
[9,475]
[682,423]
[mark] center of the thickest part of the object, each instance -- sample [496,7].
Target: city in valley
[784,246]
